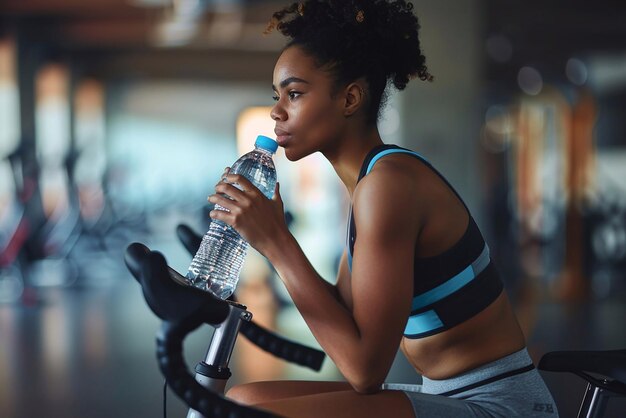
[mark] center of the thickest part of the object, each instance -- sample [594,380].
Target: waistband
[511,365]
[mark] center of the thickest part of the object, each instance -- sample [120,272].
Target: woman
[417,276]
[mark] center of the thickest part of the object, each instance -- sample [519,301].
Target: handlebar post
[213,373]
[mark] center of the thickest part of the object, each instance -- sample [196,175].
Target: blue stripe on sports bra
[453,284]
[390,151]
[422,323]
[429,321]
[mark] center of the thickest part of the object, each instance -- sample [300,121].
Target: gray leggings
[508,387]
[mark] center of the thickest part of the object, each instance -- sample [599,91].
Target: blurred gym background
[118,116]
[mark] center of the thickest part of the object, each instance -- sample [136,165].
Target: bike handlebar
[190,240]
[171,299]
[282,348]
[165,290]
[183,309]
[263,338]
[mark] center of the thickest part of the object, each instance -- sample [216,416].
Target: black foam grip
[166,292]
[172,364]
[282,348]
[190,240]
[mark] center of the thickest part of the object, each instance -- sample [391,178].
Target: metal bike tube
[594,402]
[213,372]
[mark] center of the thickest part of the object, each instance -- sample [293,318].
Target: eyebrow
[288,81]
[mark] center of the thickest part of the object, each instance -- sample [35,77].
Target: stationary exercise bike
[184,308]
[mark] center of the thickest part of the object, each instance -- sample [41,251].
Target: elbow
[367,374]
[366,385]
[367,389]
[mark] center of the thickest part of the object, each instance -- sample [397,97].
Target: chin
[292,155]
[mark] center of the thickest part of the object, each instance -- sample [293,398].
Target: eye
[294,95]
[275,97]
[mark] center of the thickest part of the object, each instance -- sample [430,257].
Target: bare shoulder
[403,195]
[387,193]
[403,170]
[396,178]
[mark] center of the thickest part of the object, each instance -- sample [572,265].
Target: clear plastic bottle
[218,262]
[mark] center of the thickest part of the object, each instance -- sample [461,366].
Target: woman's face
[308,116]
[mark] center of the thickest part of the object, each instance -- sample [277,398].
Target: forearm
[321,306]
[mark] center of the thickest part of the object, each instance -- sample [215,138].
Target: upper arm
[343,281]
[383,258]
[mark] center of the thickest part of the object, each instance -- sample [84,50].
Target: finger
[226,171]
[221,215]
[231,191]
[223,201]
[245,184]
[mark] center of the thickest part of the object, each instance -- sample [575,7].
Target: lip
[282,137]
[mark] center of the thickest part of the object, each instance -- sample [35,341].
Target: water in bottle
[218,262]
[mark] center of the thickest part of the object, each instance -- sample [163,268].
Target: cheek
[319,118]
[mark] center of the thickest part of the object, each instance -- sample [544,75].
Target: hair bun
[375,39]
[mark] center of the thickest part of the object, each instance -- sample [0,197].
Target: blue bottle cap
[266,143]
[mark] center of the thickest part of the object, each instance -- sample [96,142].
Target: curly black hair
[374,39]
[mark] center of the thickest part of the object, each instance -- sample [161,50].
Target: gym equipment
[183,309]
[604,371]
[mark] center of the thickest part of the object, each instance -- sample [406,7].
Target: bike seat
[609,367]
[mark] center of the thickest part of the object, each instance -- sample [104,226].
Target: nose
[278,113]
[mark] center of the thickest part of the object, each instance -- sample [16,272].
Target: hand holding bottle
[259,220]
[218,262]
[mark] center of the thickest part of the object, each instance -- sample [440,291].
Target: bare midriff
[488,336]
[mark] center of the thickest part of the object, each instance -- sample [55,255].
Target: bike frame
[213,373]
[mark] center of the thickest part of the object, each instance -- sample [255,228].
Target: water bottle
[218,262]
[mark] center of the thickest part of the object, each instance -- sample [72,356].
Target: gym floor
[87,351]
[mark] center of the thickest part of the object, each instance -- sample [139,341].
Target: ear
[354,98]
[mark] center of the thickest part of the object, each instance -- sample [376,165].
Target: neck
[347,157]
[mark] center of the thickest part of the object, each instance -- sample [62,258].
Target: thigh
[343,404]
[436,406]
[263,392]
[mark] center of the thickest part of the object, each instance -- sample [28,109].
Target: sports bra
[448,288]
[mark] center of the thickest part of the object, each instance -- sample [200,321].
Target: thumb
[277,199]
